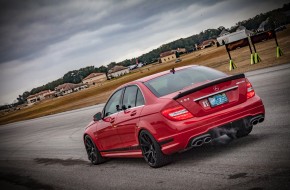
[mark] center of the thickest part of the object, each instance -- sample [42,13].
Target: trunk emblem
[205,103]
[215,88]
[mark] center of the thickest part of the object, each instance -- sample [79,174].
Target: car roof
[147,78]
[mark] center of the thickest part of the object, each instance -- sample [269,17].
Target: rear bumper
[199,126]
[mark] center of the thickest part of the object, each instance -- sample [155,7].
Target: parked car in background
[140,65]
[132,67]
[169,112]
[178,60]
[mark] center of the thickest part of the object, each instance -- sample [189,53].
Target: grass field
[215,57]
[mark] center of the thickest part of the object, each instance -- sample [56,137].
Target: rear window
[169,83]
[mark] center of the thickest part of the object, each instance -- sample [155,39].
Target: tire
[242,132]
[151,151]
[94,154]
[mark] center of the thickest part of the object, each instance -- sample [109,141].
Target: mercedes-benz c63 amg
[172,111]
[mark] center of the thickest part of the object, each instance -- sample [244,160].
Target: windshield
[169,83]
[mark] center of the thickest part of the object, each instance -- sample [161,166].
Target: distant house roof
[50,93]
[43,92]
[31,96]
[64,86]
[38,94]
[117,68]
[68,86]
[164,54]
[224,32]
[208,42]
[92,75]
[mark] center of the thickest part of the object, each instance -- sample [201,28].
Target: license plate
[218,99]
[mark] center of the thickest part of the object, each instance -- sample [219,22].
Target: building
[49,95]
[167,56]
[94,78]
[118,71]
[80,86]
[181,50]
[68,88]
[240,33]
[39,96]
[207,43]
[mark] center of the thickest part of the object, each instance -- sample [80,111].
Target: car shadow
[217,147]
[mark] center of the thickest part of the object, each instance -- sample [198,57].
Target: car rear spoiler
[232,77]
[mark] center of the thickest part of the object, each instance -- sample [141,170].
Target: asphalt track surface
[48,152]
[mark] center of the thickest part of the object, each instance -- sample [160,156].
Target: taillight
[250,90]
[177,113]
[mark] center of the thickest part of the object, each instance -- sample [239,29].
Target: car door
[132,104]
[107,134]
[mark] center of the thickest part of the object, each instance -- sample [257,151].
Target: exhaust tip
[255,122]
[197,143]
[261,120]
[207,140]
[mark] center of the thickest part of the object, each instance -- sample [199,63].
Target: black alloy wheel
[151,150]
[93,153]
[148,149]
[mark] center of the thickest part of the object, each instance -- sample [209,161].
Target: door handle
[133,113]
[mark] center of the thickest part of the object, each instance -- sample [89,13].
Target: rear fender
[156,125]
[145,125]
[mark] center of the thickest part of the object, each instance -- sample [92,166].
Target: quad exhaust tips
[257,119]
[207,138]
[198,141]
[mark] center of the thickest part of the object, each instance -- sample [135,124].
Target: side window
[113,102]
[130,96]
[139,98]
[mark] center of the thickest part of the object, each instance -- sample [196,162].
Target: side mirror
[98,116]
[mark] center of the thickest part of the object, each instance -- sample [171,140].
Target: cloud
[29,26]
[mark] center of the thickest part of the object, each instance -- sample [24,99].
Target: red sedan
[170,112]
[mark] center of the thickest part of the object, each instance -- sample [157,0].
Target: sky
[41,40]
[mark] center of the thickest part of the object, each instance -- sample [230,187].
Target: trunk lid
[213,96]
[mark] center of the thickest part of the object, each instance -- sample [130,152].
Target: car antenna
[172,70]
